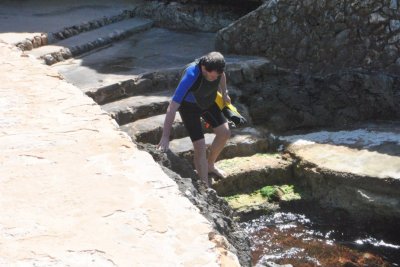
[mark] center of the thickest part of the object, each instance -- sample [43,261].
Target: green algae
[271,193]
[282,192]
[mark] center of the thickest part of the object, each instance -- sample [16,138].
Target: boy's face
[210,75]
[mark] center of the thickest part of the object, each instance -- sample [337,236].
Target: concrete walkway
[75,191]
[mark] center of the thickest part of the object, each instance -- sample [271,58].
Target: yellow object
[220,102]
[230,112]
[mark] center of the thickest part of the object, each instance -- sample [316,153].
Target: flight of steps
[84,38]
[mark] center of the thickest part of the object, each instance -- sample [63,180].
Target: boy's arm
[169,120]
[223,89]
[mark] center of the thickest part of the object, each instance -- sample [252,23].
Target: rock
[196,16]
[376,18]
[288,102]
[273,28]
[214,208]
[27,45]
[49,60]
[37,41]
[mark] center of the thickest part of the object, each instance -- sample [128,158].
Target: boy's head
[213,61]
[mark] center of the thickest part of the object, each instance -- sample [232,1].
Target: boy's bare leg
[222,134]
[200,160]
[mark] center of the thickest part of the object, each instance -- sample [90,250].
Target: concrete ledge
[74,190]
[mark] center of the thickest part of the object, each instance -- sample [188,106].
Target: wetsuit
[196,97]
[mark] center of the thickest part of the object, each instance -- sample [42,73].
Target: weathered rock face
[292,101]
[365,199]
[213,207]
[319,36]
[182,16]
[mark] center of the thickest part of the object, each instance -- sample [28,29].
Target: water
[300,240]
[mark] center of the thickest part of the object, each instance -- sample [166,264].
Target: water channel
[317,237]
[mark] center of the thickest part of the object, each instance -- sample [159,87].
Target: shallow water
[300,240]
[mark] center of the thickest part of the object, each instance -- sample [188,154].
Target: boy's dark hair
[213,61]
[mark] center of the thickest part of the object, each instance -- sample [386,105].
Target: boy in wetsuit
[194,98]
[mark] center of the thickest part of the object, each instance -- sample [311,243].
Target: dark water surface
[300,240]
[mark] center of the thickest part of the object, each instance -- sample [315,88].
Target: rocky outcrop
[213,207]
[351,180]
[294,101]
[319,36]
[182,16]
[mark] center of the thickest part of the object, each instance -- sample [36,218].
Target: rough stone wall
[294,101]
[319,35]
[184,16]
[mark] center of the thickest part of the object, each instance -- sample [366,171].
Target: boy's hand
[227,99]
[163,145]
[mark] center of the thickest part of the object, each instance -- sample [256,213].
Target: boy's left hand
[227,99]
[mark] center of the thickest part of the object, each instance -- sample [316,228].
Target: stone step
[88,41]
[247,174]
[239,70]
[139,107]
[149,130]
[93,20]
[243,142]
[156,80]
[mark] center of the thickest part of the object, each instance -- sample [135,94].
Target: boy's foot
[218,172]
[207,183]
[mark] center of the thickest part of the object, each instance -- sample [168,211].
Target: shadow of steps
[243,142]
[149,130]
[247,174]
[138,107]
[90,40]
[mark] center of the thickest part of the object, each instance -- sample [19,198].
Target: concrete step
[149,130]
[156,81]
[243,142]
[247,174]
[88,41]
[55,25]
[138,107]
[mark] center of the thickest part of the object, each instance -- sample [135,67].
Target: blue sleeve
[188,79]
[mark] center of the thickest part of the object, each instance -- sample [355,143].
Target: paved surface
[74,190]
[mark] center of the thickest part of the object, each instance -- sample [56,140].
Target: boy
[194,98]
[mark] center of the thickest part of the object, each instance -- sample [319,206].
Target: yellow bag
[230,111]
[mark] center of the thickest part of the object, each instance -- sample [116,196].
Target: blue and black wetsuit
[196,97]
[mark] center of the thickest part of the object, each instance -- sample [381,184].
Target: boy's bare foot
[218,172]
[207,183]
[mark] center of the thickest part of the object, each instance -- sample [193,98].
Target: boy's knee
[226,133]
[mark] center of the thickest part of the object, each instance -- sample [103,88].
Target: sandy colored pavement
[75,191]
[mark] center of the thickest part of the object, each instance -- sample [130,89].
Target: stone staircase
[84,38]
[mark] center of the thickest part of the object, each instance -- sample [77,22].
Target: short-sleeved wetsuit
[196,97]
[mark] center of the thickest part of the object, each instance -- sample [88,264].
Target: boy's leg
[222,134]
[200,160]
[190,115]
